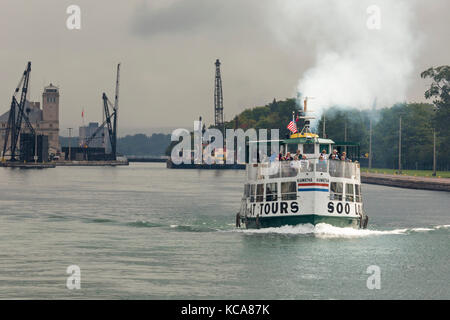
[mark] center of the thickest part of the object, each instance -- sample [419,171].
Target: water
[146,232]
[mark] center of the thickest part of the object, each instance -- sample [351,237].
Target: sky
[268,49]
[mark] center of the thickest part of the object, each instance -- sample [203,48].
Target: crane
[15,123]
[111,125]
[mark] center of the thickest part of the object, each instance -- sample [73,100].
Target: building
[44,120]
[101,139]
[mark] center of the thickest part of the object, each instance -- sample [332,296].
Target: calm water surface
[146,232]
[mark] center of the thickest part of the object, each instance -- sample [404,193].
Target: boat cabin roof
[302,140]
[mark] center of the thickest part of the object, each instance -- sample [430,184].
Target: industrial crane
[15,123]
[111,125]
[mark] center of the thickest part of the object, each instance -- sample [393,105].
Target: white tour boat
[306,191]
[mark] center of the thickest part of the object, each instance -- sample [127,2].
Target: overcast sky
[168,49]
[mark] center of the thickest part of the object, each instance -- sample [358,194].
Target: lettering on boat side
[282,207]
[339,207]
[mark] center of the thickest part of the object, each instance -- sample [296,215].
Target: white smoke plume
[354,65]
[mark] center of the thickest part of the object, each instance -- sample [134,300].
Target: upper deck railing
[294,168]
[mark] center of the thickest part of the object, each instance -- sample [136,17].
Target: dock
[84,163]
[410,182]
[28,165]
[145,159]
[204,166]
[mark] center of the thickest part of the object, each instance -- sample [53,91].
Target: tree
[440,91]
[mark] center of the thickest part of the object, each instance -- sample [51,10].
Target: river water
[147,232]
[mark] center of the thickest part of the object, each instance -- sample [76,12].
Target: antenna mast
[218,99]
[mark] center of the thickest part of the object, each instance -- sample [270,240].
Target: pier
[204,166]
[27,165]
[410,182]
[90,163]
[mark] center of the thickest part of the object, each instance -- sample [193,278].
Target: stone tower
[50,116]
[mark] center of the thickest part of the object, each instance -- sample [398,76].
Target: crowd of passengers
[323,156]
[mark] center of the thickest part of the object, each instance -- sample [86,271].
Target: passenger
[298,154]
[322,164]
[344,156]
[288,157]
[324,154]
[335,153]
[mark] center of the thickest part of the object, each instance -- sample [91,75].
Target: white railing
[285,169]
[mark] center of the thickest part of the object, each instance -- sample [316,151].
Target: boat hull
[275,222]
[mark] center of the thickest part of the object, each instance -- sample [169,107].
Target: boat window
[289,190]
[324,147]
[308,148]
[349,194]
[271,191]
[252,172]
[246,190]
[336,190]
[252,192]
[292,148]
[260,192]
[358,193]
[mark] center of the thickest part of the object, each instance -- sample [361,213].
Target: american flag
[292,127]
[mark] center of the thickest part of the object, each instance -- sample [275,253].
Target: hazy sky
[168,48]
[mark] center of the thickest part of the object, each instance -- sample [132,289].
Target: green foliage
[275,115]
[440,91]
[417,133]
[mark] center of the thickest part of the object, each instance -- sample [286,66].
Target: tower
[50,116]
[218,99]
[50,103]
